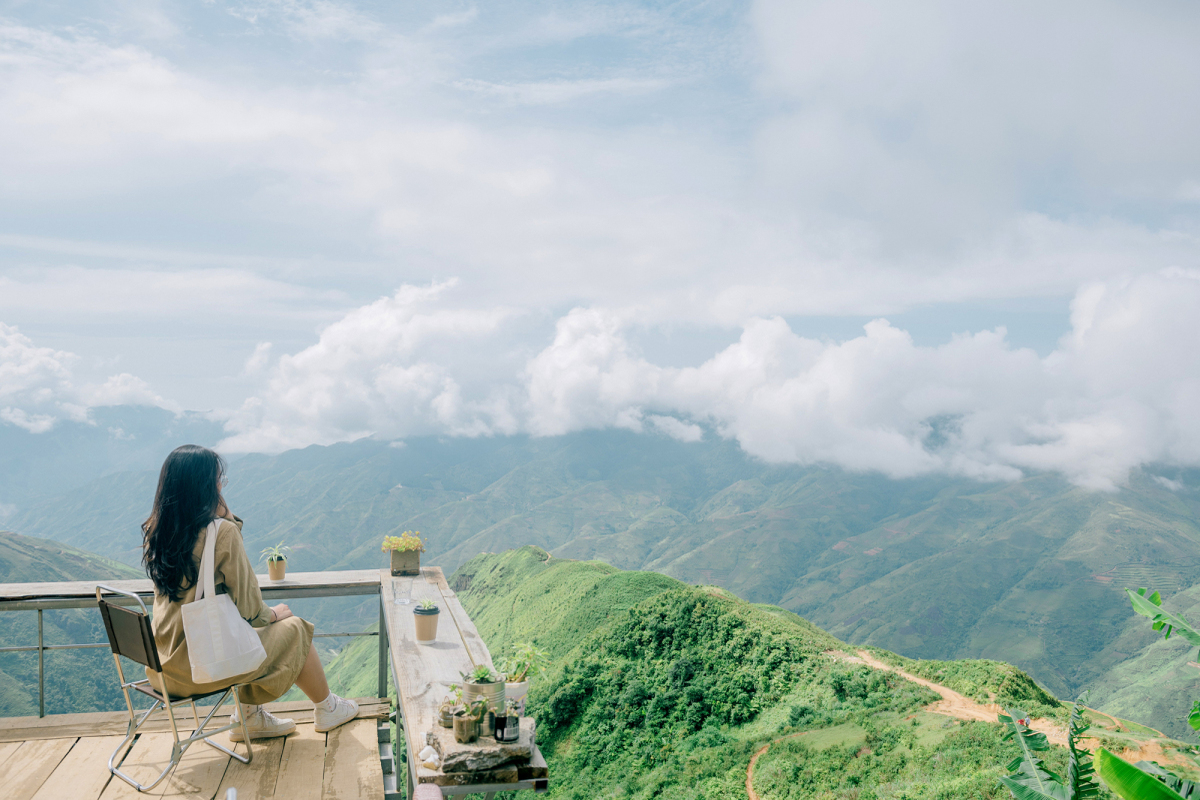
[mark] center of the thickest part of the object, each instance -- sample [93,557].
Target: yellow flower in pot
[406,552]
[276,558]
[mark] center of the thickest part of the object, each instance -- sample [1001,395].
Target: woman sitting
[187,500]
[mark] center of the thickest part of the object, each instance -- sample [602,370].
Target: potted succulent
[467,719]
[508,724]
[406,552]
[276,558]
[482,682]
[527,661]
[450,706]
[425,617]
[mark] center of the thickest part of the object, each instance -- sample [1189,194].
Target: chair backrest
[129,633]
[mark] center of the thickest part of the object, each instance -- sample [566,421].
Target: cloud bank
[222,198]
[38,387]
[1120,390]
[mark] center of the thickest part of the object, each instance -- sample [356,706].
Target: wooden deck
[66,757]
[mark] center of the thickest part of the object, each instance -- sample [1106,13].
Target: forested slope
[660,689]
[76,680]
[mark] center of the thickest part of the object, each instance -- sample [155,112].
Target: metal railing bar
[48,603]
[41,669]
[360,633]
[32,647]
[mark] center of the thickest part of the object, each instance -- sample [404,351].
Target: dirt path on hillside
[754,760]
[959,706]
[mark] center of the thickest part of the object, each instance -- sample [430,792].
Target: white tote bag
[220,643]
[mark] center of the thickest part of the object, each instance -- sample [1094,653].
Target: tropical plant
[1031,780]
[526,661]
[480,674]
[1142,781]
[406,542]
[276,553]
[1133,783]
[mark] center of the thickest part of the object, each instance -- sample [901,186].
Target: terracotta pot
[406,562]
[466,729]
[426,622]
[277,569]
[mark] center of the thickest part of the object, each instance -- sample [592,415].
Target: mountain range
[1030,572]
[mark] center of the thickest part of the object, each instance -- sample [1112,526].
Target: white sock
[250,710]
[329,703]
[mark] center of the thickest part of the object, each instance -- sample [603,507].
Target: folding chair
[130,635]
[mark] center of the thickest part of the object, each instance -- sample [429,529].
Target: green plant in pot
[450,706]
[467,721]
[406,552]
[483,682]
[526,662]
[425,618]
[508,724]
[276,558]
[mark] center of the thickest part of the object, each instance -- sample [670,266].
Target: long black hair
[187,499]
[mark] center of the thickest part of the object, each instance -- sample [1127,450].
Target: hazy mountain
[1028,572]
[117,439]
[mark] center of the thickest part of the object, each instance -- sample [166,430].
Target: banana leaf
[1130,782]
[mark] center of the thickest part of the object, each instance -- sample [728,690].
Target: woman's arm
[235,571]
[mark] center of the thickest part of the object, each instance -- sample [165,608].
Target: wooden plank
[8,748]
[424,674]
[107,723]
[352,768]
[302,766]
[256,780]
[536,768]
[476,649]
[197,775]
[502,775]
[147,757]
[24,772]
[83,774]
[82,594]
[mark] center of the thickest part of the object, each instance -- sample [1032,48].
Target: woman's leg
[311,679]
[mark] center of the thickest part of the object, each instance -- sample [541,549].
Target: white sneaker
[343,711]
[261,724]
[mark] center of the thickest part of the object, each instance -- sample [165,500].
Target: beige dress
[287,642]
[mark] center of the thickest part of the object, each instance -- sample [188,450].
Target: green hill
[661,689]
[1028,572]
[76,680]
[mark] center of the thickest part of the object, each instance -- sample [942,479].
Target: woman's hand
[279,612]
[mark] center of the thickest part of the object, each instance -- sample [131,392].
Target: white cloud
[258,360]
[1119,391]
[374,373]
[38,387]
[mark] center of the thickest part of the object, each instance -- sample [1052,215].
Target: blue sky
[326,220]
